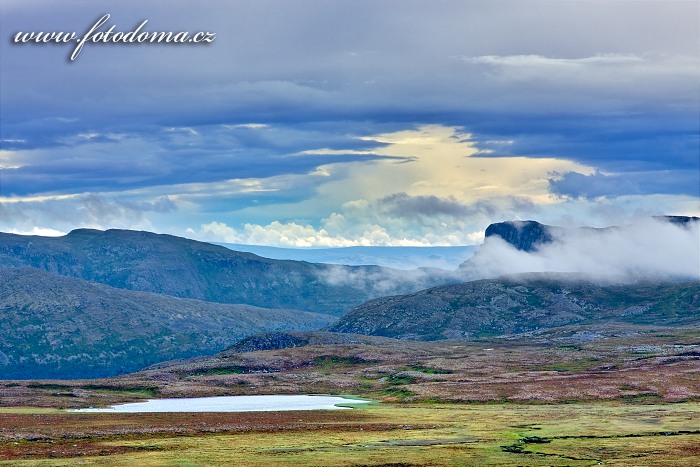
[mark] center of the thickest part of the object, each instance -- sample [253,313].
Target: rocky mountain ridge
[522,303]
[148,262]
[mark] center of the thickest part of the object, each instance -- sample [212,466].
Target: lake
[231,404]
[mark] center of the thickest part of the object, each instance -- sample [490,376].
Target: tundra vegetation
[523,370]
[576,395]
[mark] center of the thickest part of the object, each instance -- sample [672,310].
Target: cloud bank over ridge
[648,248]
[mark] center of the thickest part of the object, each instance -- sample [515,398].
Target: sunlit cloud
[428,190]
[421,131]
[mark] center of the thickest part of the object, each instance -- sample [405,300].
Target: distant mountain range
[398,257]
[522,304]
[179,267]
[61,327]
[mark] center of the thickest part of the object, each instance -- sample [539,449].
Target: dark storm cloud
[405,206]
[95,162]
[596,185]
[609,84]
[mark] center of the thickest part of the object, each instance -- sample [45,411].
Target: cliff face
[523,235]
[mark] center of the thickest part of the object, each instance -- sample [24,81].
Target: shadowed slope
[61,327]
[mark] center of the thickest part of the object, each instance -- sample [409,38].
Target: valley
[522,369]
[569,396]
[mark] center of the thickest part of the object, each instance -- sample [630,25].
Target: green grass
[440,435]
[427,370]
[29,410]
[331,361]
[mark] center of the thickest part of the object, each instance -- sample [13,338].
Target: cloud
[338,231]
[291,234]
[383,282]
[647,248]
[597,185]
[425,186]
[415,208]
[438,161]
[426,116]
[43,232]
[403,205]
[97,162]
[599,74]
[65,213]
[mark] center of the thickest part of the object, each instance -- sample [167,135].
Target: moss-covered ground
[570,397]
[608,433]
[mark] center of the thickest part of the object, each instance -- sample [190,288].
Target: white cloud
[41,231]
[248,126]
[430,189]
[646,248]
[291,234]
[54,215]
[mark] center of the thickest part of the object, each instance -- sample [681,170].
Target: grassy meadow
[576,434]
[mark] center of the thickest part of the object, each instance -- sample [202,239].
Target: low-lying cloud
[645,249]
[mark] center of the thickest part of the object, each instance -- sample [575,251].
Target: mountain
[523,235]
[275,340]
[520,304]
[179,267]
[61,327]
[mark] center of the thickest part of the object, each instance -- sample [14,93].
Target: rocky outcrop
[291,339]
[268,341]
[523,235]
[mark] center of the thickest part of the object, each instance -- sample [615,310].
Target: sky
[308,123]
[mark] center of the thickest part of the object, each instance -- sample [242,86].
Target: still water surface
[231,404]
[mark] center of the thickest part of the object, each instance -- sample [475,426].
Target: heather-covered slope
[520,304]
[60,327]
[185,268]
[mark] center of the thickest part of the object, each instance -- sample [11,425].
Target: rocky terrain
[648,363]
[61,327]
[179,267]
[95,303]
[522,303]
